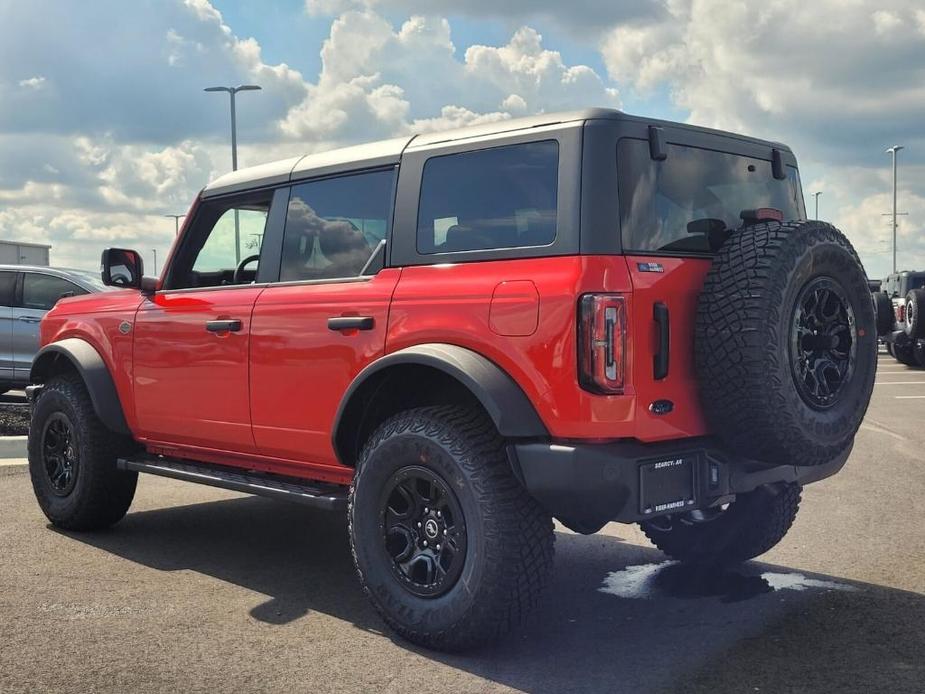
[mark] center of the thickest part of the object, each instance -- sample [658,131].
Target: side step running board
[326,496]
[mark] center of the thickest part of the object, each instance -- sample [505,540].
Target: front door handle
[231,325]
[351,323]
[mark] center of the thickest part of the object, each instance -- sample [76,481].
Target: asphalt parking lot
[203,590]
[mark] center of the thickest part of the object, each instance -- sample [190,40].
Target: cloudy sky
[104,127]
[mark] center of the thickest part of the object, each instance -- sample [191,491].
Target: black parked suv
[900,319]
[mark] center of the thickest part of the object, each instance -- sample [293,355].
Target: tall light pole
[154,251]
[893,150]
[176,221]
[234,150]
[816,195]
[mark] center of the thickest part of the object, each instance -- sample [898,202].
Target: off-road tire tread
[755,523]
[736,361]
[518,526]
[106,492]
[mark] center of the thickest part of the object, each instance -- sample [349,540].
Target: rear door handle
[29,319]
[660,361]
[231,325]
[351,323]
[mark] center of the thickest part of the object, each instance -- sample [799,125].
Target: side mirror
[122,268]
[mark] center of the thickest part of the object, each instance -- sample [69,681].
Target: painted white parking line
[899,383]
[909,397]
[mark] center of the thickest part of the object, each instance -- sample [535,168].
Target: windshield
[658,199]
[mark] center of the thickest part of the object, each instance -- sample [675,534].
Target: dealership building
[23,253]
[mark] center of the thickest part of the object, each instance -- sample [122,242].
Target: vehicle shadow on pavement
[655,626]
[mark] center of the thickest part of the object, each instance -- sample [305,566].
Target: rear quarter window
[504,197]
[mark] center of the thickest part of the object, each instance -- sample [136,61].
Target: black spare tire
[786,343]
[883,308]
[915,313]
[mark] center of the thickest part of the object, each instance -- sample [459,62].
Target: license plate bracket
[667,485]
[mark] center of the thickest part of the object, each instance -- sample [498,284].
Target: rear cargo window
[658,199]
[505,197]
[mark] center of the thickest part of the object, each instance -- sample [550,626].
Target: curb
[13,466]
[13,447]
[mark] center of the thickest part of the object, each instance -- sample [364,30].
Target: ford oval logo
[660,407]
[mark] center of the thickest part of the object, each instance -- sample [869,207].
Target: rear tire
[442,472]
[72,459]
[750,526]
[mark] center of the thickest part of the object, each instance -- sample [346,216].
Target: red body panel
[453,304]
[677,287]
[265,397]
[191,385]
[95,318]
[300,369]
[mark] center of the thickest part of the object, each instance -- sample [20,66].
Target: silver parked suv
[26,294]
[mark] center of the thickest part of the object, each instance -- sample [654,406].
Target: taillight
[900,311]
[602,343]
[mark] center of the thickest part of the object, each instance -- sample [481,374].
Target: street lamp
[176,221]
[154,251]
[816,195]
[234,150]
[894,150]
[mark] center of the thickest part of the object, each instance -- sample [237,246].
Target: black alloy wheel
[424,531]
[823,342]
[59,453]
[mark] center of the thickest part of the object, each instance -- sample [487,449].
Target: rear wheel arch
[79,356]
[431,374]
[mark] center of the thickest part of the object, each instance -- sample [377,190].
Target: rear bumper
[588,485]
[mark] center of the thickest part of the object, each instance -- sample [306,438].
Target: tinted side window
[333,225]
[505,197]
[7,287]
[43,291]
[658,199]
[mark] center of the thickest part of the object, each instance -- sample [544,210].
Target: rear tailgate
[668,403]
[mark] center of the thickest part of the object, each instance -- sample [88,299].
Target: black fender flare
[94,372]
[502,398]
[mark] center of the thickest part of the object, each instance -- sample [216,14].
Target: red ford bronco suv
[459,336]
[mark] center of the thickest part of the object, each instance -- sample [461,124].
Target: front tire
[72,459]
[748,527]
[448,546]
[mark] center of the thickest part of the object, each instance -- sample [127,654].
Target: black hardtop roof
[586,114]
[385,152]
